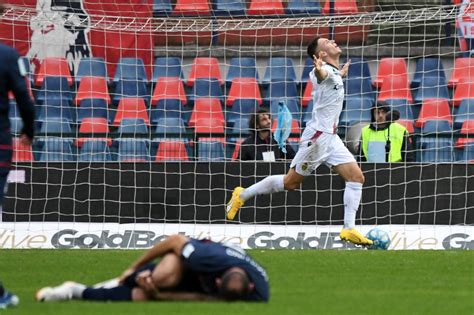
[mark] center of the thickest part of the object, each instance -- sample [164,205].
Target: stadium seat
[56,109]
[466,152]
[278,90]
[132,150]
[436,128]
[307,94]
[464,90]
[167,67]
[209,125]
[93,108]
[204,68]
[291,103]
[295,126]
[358,87]
[92,87]
[401,105]
[428,67]
[16,125]
[241,108]
[242,68]
[235,153]
[192,8]
[132,126]
[464,112]
[395,87]
[53,67]
[434,109]
[171,151]
[167,127]
[359,68]
[54,88]
[207,88]
[391,67]
[92,125]
[466,134]
[279,69]
[169,88]
[56,149]
[307,68]
[266,7]
[132,89]
[303,7]
[55,126]
[229,8]
[408,124]
[94,150]
[131,108]
[431,87]
[244,88]
[463,69]
[21,152]
[130,69]
[356,110]
[166,108]
[307,114]
[210,150]
[162,8]
[206,108]
[241,126]
[91,67]
[435,149]
[341,7]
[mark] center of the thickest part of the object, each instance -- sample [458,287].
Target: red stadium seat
[467,130]
[169,88]
[204,68]
[206,108]
[463,69]
[192,7]
[131,108]
[92,87]
[464,90]
[21,152]
[342,7]
[235,154]
[266,7]
[55,67]
[295,126]
[171,151]
[408,124]
[244,88]
[390,67]
[307,97]
[396,87]
[209,125]
[434,109]
[93,125]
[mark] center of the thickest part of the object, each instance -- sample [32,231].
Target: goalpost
[133,197]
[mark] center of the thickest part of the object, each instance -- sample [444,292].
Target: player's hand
[318,61]
[145,281]
[128,272]
[345,68]
[25,140]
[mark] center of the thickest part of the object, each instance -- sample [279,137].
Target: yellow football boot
[353,236]
[235,203]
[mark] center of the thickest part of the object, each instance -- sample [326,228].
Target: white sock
[352,196]
[77,290]
[268,185]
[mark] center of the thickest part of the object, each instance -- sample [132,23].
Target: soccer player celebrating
[319,143]
[189,269]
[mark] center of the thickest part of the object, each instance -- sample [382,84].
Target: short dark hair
[312,47]
[253,121]
[232,294]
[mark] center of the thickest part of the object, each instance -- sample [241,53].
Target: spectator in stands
[12,78]
[189,269]
[384,140]
[260,144]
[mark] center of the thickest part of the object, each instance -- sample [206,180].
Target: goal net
[142,109]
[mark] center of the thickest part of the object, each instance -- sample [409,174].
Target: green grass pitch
[302,282]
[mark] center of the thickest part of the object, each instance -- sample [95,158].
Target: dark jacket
[253,147]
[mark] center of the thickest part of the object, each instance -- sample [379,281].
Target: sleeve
[328,80]
[407,149]
[17,85]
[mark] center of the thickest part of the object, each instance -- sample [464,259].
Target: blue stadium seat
[170,127]
[359,68]
[162,8]
[279,69]
[91,67]
[308,113]
[359,87]
[428,67]
[130,69]
[292,104]
[133,126]
[56,149]
[436,127]
[430,88]
[281,89]
[210,151]
[303,7]
[308,66]
[132,150]
[242,108]
[16,125]
[241,126]
[435,149]
[54,88]
[210,88]
[466,153]
[56,109]
[94,151]
[241,68]
[167,67]
[229,8]
[169,108]
[355,110]
[402,105]
[56,126]
[93,107]
[127,88]
[464,112]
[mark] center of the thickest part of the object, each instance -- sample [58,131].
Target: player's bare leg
[354,179]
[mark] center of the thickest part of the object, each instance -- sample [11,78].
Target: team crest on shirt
[304,166]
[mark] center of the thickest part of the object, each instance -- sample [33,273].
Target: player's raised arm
[319,71]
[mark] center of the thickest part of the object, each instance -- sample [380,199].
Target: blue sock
[120,293]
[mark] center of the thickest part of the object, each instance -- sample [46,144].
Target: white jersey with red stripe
[328,98]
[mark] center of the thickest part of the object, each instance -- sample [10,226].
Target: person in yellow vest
[384,140]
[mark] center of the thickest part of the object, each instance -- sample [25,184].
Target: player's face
[264,122]
[329,46]
[380,116]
